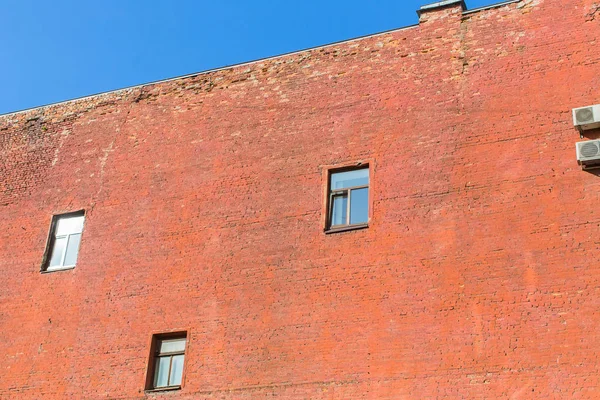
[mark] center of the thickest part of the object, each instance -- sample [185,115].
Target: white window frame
[53,237]
[170,355]
[156,355]
[332,193]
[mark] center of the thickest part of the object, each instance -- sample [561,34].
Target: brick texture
[478,276]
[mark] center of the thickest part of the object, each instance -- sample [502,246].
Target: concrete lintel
[441,4]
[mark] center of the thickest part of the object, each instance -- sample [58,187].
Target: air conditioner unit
[587,117]
[588,154]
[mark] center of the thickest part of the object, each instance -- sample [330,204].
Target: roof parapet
[424,9]
[441,4]
[495,5]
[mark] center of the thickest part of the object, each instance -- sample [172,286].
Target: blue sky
[63,49]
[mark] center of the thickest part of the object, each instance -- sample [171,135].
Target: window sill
[346,228]
[48,271]
[162,389]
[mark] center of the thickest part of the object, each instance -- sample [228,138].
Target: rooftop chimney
[449,6]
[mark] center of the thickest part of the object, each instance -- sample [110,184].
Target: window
[166,363]
[348,198]
[63,244]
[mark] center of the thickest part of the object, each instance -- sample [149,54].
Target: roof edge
[208,71]
[441,4]
[424,8]
[496,5]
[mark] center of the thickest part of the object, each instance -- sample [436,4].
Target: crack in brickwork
[591,16]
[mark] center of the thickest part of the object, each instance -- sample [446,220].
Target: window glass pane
[176,370]
[359,206]
[357,177]
[170,346]
[339,210]
[161,373]
[72,249]
[69,225]
[57,252]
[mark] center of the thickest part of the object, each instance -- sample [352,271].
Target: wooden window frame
[51,240]
[329,228]
[155,354]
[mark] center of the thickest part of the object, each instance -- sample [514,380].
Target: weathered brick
[477,277]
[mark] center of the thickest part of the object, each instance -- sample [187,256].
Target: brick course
[477,278]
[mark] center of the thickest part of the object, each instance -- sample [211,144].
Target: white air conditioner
[588,153]
[587,117]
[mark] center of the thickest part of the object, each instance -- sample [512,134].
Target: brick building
[400,216]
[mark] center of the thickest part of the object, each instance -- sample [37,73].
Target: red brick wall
[479,276]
